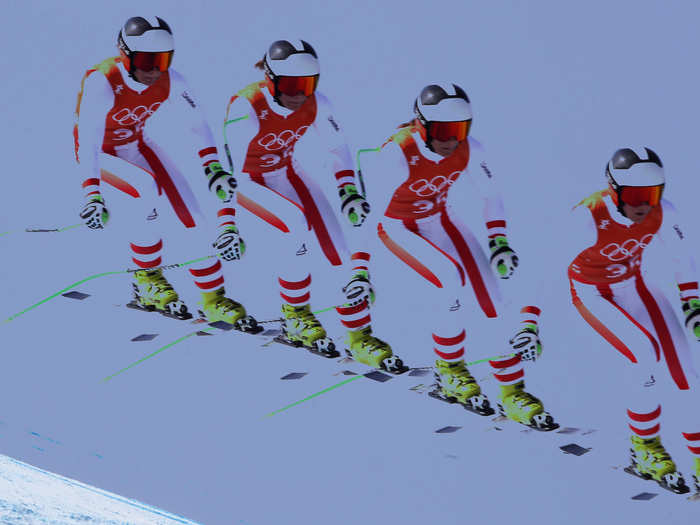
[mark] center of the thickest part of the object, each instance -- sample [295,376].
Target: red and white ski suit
[424,232]
[279,190]
[113,145]
[609,291]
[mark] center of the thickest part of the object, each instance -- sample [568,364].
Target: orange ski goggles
[447,130]
[638,195]
[146,61]
[294,85]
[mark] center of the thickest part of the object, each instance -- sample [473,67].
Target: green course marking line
[364,150]
[46,230]
[70,227]
[58,293]
[234,120]
[161,349]
[315,395]
[14,316]
[324,310]
[358,377]
[489,359]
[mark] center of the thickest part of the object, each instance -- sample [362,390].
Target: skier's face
[292,102]
[444,148]
[636,213]
[147,77]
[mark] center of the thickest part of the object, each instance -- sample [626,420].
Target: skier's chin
[445,151]
[147,78]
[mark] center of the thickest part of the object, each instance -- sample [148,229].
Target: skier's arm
[535,277]
[503,258]
[353,204]
[228,244]
[675,241]
[383,175]
[221,183]
[241,126]
[96,99]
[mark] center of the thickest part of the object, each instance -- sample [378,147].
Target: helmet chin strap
[125,58]
[427,139]
[272,79]
[275,92]
[617,200]
[130,71]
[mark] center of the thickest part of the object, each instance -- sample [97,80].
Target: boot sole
[135,306]
[403,369]
[683,489]
[533,426]
[298,344]
[453,400]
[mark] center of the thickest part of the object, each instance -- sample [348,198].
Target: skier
[420,163]
[116,99]
[272,115]
[608,290]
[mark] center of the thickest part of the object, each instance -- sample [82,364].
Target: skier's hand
[359,289]
[221,183]
[504,261]
[229,245]
[94,214]
[353,205]
[691,311]
[527,343]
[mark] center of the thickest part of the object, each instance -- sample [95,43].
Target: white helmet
[291,65]
[635,168]
[443,111]
[442,102]
[290,58]
[146,35]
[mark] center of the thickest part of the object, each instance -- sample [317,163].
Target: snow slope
[32,495]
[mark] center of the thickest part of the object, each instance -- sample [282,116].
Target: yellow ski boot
[301,328]
[523,407]
[364,348]
[649,460]
[456,385]
[216,307]
[153,293]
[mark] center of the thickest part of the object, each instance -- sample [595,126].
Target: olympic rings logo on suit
[619,252]
[423,188]
[128,116]
[274,142]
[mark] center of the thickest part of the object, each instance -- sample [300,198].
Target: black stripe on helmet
[282,49]
[625,158]
[433,94]
[138,25]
